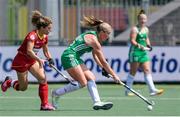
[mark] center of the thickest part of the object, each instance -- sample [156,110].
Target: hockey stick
[64,76]
[136,93]
[147,48]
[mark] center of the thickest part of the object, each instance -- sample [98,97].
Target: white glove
[143,47]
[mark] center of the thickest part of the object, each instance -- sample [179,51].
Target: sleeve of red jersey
[31,37]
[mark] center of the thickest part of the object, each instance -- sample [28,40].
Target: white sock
[129,81]
[67,88]
[12,82]
[149,82]
[92,88]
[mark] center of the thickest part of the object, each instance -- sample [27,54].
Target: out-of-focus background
[163,23]
[164,26]
[163,19]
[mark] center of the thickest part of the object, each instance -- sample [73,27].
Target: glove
[51,62]
[140,46]
[105,73]
[150,47]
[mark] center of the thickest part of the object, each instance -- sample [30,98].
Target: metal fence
[66,15]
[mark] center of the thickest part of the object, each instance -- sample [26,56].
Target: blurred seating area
[15,20]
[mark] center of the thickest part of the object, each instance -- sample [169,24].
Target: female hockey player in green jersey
[138,56]
[89,41]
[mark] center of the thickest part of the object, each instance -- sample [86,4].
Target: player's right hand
[106,74]
[117,79]
[140,46]
[148,48]
[51,62]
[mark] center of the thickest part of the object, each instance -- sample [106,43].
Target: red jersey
[38,43]
[22,62]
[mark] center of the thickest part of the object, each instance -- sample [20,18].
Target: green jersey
[140,39]
[135,53]
[79,46]
[71,56]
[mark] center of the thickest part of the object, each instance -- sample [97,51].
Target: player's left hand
[105,73]
[51,62]
[150,47]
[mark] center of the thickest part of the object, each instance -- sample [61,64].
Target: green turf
[79,103]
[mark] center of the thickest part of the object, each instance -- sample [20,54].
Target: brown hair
[141,12]
[92,22]
[39,20]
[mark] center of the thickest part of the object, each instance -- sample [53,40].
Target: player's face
[47,29]
[107,33]
[142,19]
[104,34]
[104,37]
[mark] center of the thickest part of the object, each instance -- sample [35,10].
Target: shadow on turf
[15,110]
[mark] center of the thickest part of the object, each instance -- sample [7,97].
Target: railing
[121,14]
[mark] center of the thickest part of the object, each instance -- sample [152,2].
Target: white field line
[87,98]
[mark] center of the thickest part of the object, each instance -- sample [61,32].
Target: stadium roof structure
[152,18]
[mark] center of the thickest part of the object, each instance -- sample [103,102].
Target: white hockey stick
[64,76]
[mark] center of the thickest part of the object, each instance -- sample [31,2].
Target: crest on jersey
[32,37]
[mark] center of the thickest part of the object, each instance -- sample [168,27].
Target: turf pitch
[79,103]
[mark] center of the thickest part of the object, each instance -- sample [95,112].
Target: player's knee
[146,71]
[76,84]
[24,88]
[132,73]
[83,84]
[42,80]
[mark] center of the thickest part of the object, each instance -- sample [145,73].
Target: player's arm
[47,54]
[148,40]
[148,44]
[88,39]
[30,52]
[97,60]
[104,72]
[133,35]
[92,41]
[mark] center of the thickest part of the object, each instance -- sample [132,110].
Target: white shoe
[130,94]
[157,92]
[47,107]
[54,100]
[103,105]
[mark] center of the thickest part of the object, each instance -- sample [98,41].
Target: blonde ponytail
[97,24]
[90,21]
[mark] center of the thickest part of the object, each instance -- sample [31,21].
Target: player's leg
[93,91]
[20,65]
[39,74]
[130,78]
[149,81]
[77,74]
[22,83]
[6,84]
[91,85]
[19,85]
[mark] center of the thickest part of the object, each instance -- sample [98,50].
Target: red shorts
[22,62]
